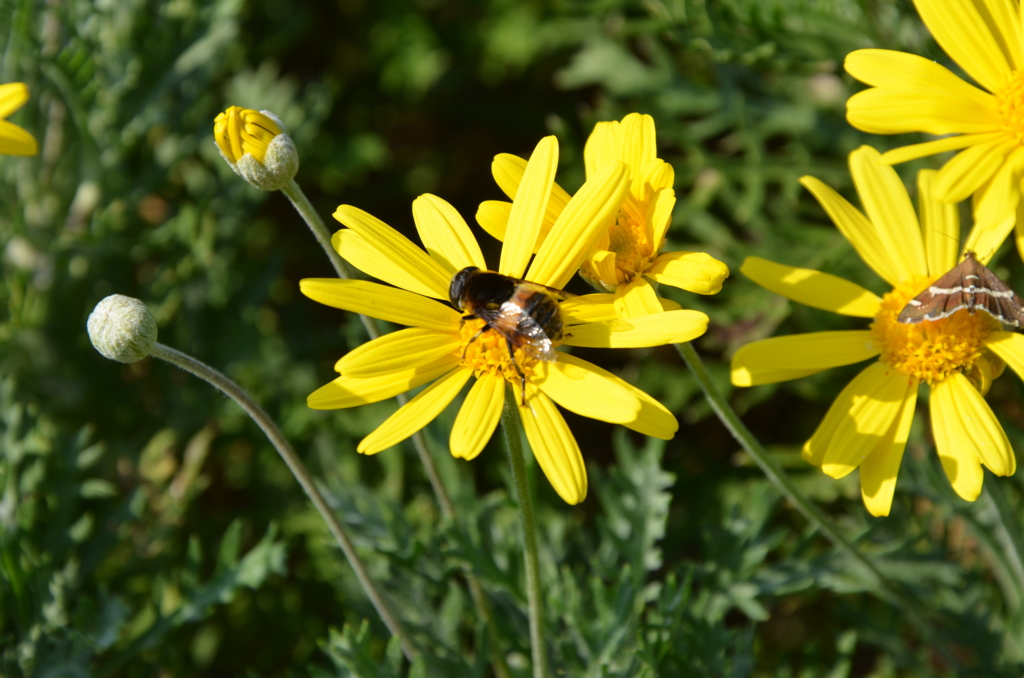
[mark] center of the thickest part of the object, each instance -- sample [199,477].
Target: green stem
[323,236]
[1009,535]
[810,511]
[298,469]
[510,425]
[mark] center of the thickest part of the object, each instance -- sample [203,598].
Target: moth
[969,285]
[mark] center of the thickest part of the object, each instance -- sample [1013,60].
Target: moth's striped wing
[970,285]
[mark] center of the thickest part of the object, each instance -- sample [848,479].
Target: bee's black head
[458,286]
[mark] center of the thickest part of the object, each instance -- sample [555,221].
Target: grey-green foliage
[682,562]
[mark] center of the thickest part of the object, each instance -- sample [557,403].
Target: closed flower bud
[257,147]
[122,329]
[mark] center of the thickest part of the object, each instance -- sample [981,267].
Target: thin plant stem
[1009,535]
[298,469]
[814,515]
[510,425]
[320,232]
[305,209]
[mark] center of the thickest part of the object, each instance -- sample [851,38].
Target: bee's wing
[561,295]
[522,330]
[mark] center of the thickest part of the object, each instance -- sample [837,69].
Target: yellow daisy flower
[438,346]
[13,139]
[625,257]
[913,94]
[868,424]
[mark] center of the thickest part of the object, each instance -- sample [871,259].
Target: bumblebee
[524,313]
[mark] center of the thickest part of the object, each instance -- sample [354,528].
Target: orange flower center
[931,351]
[487,352]
[630,239]
[1010,103]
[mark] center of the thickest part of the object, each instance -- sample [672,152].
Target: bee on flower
[451,340]
[957,356]
[625,258]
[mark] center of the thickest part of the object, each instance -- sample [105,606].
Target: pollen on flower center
[929,351]
[629,238]
[488,353]
[1010,103]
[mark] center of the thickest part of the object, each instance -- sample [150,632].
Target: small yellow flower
[912,94]
[625,258]
[868,424]
[256,146]
[13,139]
[438,348]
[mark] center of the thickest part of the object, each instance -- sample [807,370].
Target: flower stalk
[298,469]
[510,425]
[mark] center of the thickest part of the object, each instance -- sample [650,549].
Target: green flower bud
[257,147]
[122,329]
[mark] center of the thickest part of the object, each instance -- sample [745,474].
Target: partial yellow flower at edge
[443,351]
[625,258]
[909,93]
[13,139]
[867,426]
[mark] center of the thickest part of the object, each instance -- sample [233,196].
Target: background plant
[145,523]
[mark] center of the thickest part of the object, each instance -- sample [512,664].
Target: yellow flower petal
[1010,347]
[590,210]
[600,147]
[636,298]
[587,390]
[390,255]
[869,418]
[670,327]
[878,472]
[892,110]
[1004,20]
[508,172]
[377,262]
[969,422]
[492,215]
[445,234]
[995,206]
[397,351]
[660,175]
[659,213]
[953,143]
[416,413]
[856,228]
[971,168]
[478,417]
[940,225]
[637,148]
[13,95]
[791,357]
[889,208]
[696,272]
[959,29]
[814,449]
[595,308]
[812,288]
[346,392]
[555,448]
[16,141]
[380,301]
[528,208]
[899,70]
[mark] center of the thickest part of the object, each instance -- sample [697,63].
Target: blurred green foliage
[147,528]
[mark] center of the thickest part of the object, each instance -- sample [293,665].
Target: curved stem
[814,515]
[298,469]
[510,425]
[1009,535]
[419,443]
